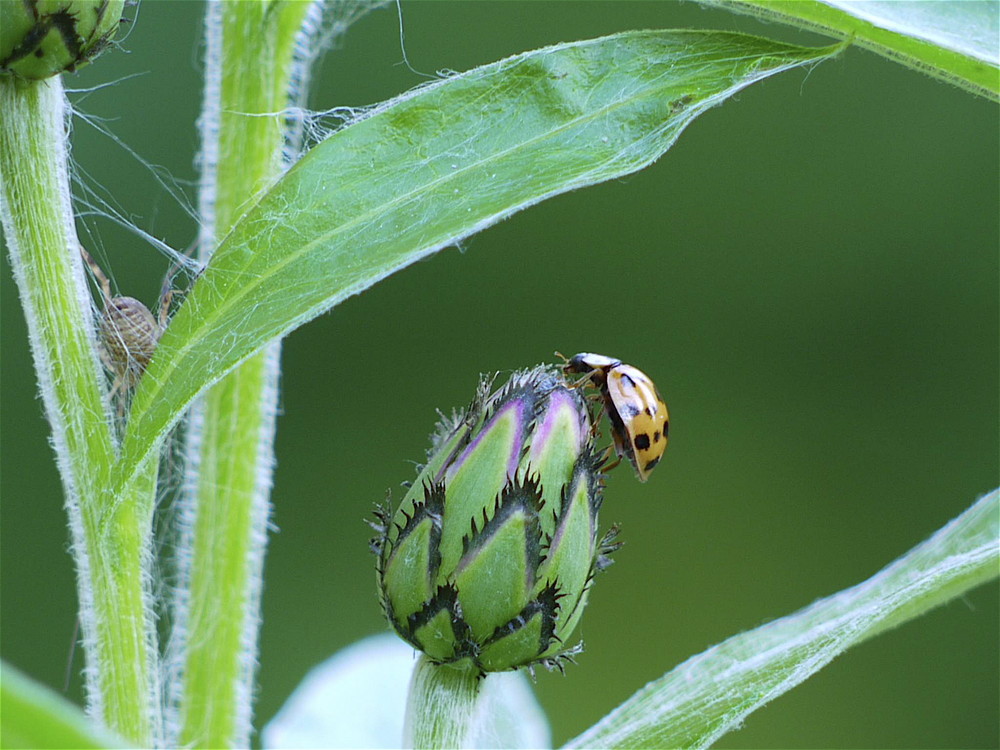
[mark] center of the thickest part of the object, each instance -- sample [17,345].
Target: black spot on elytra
[628,379]
[656,437]
[649,411]
[642,441]
[653,462]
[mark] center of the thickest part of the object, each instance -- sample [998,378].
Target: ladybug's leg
[594,409]
[607,464]
[587,379]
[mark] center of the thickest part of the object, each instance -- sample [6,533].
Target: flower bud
[40,38]
[487,561]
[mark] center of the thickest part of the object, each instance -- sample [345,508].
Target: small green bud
[487,562]
[40,38]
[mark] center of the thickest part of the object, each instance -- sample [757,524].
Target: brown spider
[128,330]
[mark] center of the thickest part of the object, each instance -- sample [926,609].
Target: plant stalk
[440,707]
[230,460]
[111,539]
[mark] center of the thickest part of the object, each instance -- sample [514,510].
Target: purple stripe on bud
[512,462]
[561,404]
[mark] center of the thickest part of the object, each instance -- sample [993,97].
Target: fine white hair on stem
[324,24]
[207,161]
[60,112]
[120,688]
[321,25]
[260,518]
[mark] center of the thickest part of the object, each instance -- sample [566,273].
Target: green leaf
[955,40]
[423,171]
[34,716]
[712,693]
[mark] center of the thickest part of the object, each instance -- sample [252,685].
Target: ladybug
[639,418]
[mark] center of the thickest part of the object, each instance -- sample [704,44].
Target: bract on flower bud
[487,561]
[40,38]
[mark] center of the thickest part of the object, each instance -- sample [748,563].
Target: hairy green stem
[440,707]
[110,534]
[230,445]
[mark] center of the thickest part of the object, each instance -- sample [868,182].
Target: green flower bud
[487,561]
[40,38]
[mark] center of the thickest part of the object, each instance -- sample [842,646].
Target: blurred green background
[810,275]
